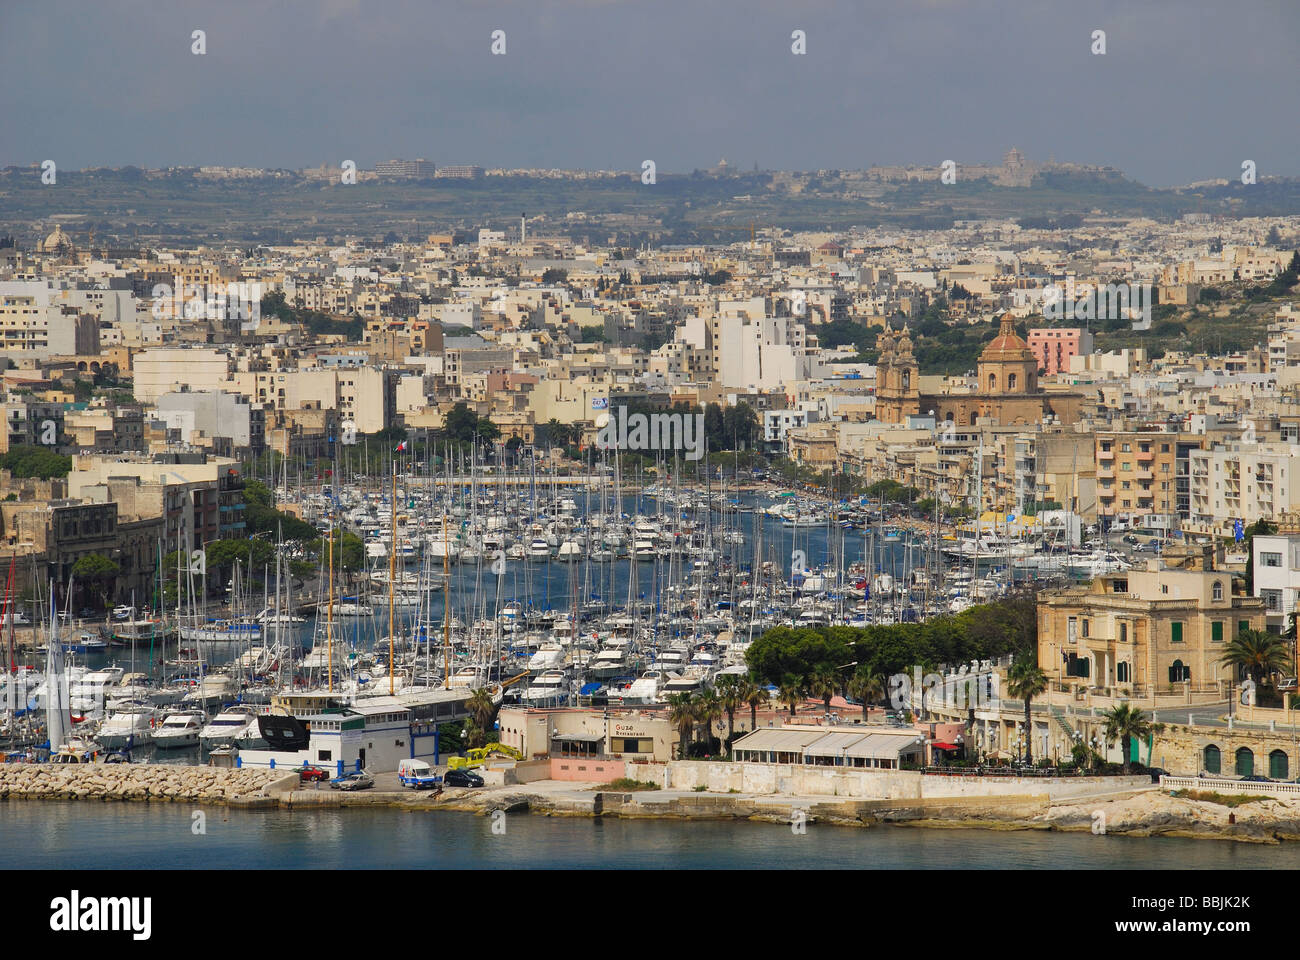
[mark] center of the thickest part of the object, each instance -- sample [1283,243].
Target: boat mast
[446,607]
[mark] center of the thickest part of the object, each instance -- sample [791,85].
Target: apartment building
[164,370]
[1137,472]
[1276,572]
[1055,347]
[1240,481]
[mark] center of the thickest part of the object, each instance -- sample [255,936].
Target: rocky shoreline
[1138,813]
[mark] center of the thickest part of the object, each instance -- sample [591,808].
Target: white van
[418,775]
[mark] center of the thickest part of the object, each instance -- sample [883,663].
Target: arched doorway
[1279,765]
[1245,762]
[1213,759]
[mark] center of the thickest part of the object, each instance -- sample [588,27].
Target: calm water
[66,835]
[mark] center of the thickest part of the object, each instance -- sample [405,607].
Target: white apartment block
[164,370]
[1240,481]
[1277,576]
[765,353]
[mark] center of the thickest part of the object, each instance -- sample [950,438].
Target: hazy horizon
[1185,92]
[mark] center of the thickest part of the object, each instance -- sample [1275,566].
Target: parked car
[1255,778]
[353,781]
[313,775]
[462,778]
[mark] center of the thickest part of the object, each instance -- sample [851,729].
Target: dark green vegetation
[798,656]
[25,461]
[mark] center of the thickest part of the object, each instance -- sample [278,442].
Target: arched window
[948,417]
[1212,759]
[1217,590]
[1011,383]
[1122,672]
[993,382]
[974,416]
[1178,672]
[1245,762]
[1278,765]
[907,379]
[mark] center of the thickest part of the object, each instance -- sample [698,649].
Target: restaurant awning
[882,746]
[577,738]
[776,740]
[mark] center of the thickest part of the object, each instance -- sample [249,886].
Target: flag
[1238,531]
[401,446]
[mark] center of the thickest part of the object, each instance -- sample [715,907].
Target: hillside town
[1034,411]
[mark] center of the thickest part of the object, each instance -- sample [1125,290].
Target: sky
[1186,90]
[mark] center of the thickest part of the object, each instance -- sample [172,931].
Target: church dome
[1007,346]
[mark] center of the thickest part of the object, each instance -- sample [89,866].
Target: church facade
[1007,392]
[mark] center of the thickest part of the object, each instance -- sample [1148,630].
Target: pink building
[1054,347]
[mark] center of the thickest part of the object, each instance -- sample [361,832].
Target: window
[1176,632]
[1123,633]
[1178,672]
[1273,598]
[1122,672]
[1086,630]
[1243,625]
[1216,591]
[1216,631]
[1212,759]
[324,756]
[1270,559]
[1119,586]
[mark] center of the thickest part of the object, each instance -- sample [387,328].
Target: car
[462,778]
[311,774]
[1255,778]
[353,781]
[1129,538]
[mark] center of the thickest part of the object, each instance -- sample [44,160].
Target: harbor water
[71,835]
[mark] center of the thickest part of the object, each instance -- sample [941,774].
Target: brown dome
[1007,345]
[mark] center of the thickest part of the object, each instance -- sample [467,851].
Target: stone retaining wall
[137,781]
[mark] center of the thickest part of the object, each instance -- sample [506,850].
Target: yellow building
[1144,633]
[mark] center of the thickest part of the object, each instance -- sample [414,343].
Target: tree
[824,684]
[729,695]
[97,573]
[790,695]
[1262,528]
[1123,723]
[864,686]
[754,696]
[707,710]
[1257,653]
[681,714]
[483,713]
[1026,681]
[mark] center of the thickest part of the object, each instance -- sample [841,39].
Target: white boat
[227,726]
[550,685]
[570,552]
[126,728]
[223,631]
[539,551]
[178,730]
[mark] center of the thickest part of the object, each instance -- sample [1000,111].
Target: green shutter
[1216,631]
[1176,631]
[1243,625]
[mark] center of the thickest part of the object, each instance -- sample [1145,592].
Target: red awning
[945,746]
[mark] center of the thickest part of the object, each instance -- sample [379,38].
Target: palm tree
[729,687]
[864,686]
[708,710]
[753,696]
[1257,653]
[823,684]
[1123,722]
[790,695]
[482,711]
[1024,682]
[681,714]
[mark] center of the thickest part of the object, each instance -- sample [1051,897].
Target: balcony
[1106,473]
[1146,456]
[1105,455]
